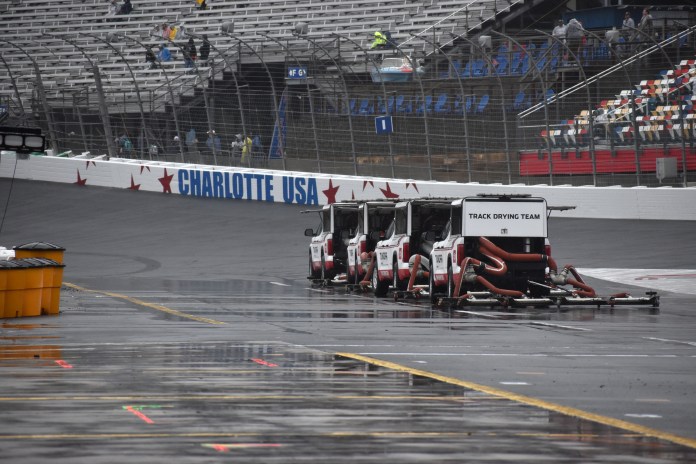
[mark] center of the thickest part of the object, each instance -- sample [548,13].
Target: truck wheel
[431,287]
[380,288]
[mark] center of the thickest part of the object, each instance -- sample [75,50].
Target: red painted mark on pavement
[264,363]
[63,364]
[140,415]
[224,448]
[664,276]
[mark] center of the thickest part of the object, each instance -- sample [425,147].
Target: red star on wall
[365,182]
[331,193]
[388,193]
[133,185]
[166,181]
[80,181]
[414,186]
[352,195]
[142,168]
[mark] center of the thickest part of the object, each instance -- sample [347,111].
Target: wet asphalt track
[190,334]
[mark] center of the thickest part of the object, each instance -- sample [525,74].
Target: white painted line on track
[514,383]
[670,341]
[644,416]
[559,326]
[670,280]
[279,283]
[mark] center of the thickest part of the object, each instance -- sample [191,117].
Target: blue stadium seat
[442,104]
[483,102]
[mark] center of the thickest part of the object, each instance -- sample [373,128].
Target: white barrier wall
[318,189]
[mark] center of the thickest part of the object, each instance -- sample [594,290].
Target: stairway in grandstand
[57,33]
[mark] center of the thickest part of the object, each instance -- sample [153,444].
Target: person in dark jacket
[205,49]
[190,53]
[126,8]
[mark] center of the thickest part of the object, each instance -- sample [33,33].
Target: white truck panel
[493,218]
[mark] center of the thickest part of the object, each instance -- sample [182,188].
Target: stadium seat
[442,105]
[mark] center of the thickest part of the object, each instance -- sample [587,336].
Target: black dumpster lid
[8,264]
[21,263]
[30,262]
[48,262]
[38,246]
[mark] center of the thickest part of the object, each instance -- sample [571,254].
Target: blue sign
[383,125]
[297,72]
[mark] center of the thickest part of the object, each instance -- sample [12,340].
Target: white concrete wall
[316,189]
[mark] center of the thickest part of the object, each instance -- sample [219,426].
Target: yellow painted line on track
[528,400]
[139,302]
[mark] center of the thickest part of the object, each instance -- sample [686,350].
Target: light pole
[135,84]
[147,48]
[417,77]
[205,93]
[42,96]
[228,30]
[632,97]
[590,116]
[384,92]
[544,98]
[309,93]
[236,83]
[345,96]
[681,106]
[103,108]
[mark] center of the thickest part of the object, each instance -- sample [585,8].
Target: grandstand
[483,97]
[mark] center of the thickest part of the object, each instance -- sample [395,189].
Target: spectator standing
[646,22]
[191,140]
[164,53]
[559,31]
[627,25]
[205,50]
[213,143]
[126,8]
[246,150]
[202,5]
[574,36]
[236,148]
[190,53]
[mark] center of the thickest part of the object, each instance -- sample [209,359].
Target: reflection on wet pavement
[271,402]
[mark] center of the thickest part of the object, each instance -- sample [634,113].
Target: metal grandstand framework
[489,106]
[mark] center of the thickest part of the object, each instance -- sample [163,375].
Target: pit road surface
[189,332]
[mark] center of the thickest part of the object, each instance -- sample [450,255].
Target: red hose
[414,271]
[517,257]
[499,291]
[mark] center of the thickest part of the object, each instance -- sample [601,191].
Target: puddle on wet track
[268,402]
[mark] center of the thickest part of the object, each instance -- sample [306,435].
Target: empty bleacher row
[37,26]
[663,111]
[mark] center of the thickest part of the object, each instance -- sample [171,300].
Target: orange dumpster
[33,286]
[52,282]
[14,290]
[40,250]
